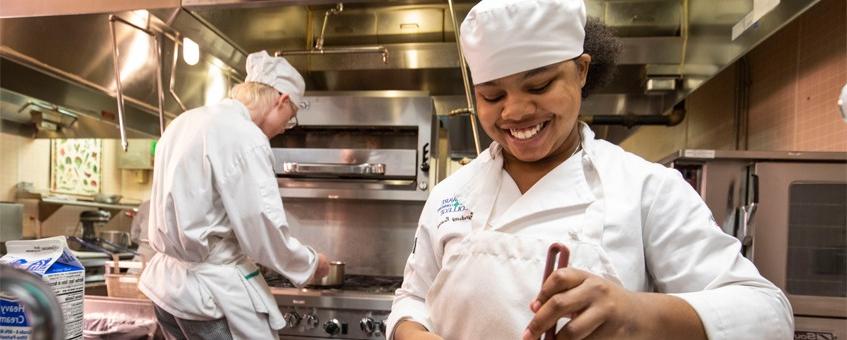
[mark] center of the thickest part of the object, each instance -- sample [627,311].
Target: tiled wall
[793,94]
[24,159]
[796,76]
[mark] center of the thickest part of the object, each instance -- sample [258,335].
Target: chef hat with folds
[504,37]
[276,72]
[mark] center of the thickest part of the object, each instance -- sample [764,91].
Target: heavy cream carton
[50,259]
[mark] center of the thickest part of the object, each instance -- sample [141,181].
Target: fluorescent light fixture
[190,51]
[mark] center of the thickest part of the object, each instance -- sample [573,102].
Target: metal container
[115,237]
[335,277]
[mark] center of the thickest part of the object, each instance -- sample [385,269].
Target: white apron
[488,280]
[222,286]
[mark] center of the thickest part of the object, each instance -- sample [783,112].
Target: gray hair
[257,97]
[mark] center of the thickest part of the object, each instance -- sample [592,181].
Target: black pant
[182,329]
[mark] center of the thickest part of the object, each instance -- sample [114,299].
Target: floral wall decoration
[75,166]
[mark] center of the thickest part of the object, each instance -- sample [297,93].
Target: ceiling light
[190,51]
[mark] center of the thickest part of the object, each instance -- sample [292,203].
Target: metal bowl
[108,199]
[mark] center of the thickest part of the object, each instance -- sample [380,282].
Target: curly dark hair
[604,48]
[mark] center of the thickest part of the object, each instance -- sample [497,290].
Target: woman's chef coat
[656,232]
[215,209]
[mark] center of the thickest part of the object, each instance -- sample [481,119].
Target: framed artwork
[75,166]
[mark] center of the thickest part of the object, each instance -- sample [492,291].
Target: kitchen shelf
[91,204]
[48,205]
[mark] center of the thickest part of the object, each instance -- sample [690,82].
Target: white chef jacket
[214,209]
[138,232]
[657,231]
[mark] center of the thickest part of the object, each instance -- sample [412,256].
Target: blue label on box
[61,268]
[12,314]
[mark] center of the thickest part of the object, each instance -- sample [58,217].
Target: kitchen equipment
[115,238]
[788,210]
[358,145]
[334,278]
[93,246]
[95,262]
[118,284]
[11,223]
[356,309]
[355,174]
[91,221]
[108,199]
[96,258]
[564,255]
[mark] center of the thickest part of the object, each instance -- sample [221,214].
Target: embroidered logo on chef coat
[451,205]
[452,210]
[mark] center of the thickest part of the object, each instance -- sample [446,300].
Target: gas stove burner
[360,283]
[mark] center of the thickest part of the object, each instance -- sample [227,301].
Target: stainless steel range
[356,310]
[353,176]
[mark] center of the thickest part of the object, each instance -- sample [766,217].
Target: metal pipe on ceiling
[171,87]
[319,44]
[160,93]
[333,11]
[118,87]
[465,81]
[157,36]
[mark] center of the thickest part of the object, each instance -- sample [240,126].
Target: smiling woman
[533,116]
[646,257]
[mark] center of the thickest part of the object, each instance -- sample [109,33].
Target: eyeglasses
[292,123]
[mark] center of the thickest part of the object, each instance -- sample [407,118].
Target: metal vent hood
[670,48]
[65,64]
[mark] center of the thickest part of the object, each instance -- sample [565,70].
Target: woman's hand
[601,309]
[410,330]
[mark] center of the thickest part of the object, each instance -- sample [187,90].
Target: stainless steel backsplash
[373,237]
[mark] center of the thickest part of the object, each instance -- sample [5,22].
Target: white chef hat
[504,37]
[276,72]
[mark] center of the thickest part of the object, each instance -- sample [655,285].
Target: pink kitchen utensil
[564,254]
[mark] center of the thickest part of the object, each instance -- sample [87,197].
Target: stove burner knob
[311,321]
[292,319]
[367,325]
[332,327]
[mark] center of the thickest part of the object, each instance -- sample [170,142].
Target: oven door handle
[746,231]
[295,168]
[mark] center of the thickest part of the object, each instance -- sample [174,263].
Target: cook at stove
[215,208]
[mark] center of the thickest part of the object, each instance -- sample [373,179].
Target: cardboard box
[53,261]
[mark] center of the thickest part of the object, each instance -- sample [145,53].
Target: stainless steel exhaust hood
[66,62]
[670,48]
